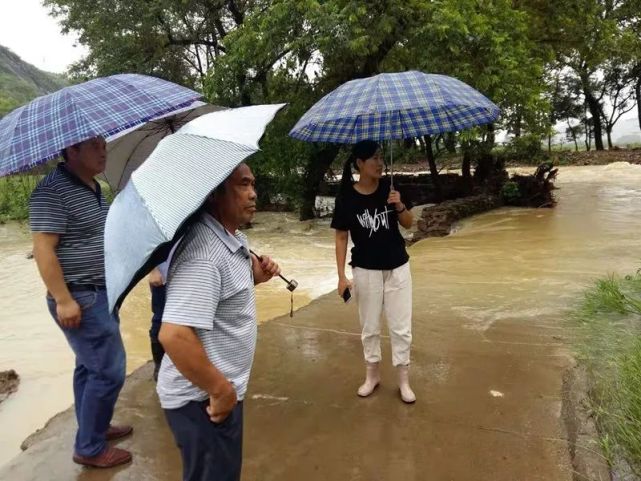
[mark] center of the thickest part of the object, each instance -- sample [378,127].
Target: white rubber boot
[372,379]
[407,395]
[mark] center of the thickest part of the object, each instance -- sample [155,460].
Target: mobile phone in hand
[347,295]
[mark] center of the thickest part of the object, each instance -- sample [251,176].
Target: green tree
[618,90]
[245,52]
[486,45]
[594,33]
[297,51]
[172,39]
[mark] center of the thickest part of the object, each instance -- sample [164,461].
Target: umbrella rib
[122,173]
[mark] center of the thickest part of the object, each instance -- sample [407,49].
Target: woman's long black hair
[362,150]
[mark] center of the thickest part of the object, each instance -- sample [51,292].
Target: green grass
[15,191]
[609,345]
[14,196]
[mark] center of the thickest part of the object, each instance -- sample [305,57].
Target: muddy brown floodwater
[488,359]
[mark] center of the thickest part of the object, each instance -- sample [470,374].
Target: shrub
[510,193]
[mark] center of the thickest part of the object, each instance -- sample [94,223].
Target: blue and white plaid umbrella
[394,106]
[148,216]
[37,132]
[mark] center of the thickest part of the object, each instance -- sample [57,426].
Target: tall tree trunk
[637,91]
[489,138]
[431,161]
[588,133]
[595,111]
[466,170]
[608,131]
[449,139]
[517,125]
[317,166]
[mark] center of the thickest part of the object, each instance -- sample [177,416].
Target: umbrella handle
[291,284]
[391,163]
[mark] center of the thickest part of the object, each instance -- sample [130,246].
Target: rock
[9,381]
[437,220]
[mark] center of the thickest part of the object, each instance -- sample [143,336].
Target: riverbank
[606,341]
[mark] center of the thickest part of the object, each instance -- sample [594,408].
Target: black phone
[347,295]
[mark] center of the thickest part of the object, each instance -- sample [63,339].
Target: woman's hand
[395,198]
[343,283]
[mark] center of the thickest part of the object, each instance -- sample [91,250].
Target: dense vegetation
[571,61]
[20,82]
[608,344]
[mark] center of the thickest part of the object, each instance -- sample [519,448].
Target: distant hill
[630,139]
[21,82]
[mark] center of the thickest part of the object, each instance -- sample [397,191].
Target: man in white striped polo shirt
[67,214]
[209,332]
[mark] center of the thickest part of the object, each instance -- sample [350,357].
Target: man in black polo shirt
[67,214]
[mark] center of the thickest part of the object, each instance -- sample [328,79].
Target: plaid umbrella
[38,131]
[394,106]
[150,213]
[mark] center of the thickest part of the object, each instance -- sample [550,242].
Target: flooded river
[521,264]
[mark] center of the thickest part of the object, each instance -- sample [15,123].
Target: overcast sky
[28,30]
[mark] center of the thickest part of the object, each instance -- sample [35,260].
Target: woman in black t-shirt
[369,211]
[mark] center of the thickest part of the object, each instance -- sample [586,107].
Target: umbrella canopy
[394,106]
[151,211]
[38,131]
[128,149]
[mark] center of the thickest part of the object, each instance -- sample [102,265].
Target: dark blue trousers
[100,368]
[210,451]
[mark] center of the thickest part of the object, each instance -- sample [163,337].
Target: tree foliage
[571,61]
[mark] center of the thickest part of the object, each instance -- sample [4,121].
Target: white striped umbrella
[146,217]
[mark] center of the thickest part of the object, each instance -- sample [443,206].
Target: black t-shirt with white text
[373,226]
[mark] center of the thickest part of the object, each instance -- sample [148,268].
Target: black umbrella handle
[291,285]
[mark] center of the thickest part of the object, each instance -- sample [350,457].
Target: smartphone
[347,295]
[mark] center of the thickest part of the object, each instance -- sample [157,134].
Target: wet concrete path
[488,408]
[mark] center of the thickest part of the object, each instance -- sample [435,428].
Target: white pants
[390,291]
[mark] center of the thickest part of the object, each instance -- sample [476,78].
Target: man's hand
[155,278]
[68,311]
[69,314]
[343,283]
[269,267]
[222,403]
[185,349]
[264,268]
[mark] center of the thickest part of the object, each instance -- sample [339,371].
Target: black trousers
[210,451]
